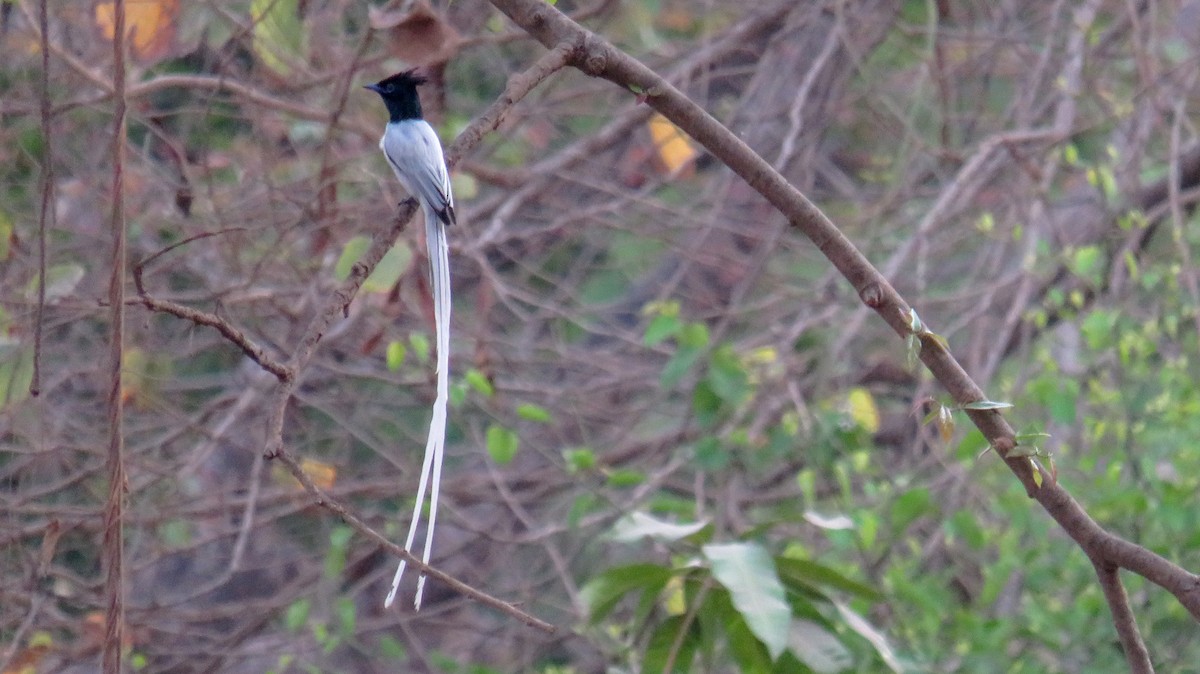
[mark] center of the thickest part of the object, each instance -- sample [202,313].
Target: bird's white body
[414,152]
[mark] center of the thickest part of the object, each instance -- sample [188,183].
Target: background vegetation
[676,434]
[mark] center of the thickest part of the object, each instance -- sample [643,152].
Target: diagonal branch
[361,527]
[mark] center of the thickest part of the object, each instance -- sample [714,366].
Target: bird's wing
[415,155]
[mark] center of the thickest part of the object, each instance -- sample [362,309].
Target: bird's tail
[431,467]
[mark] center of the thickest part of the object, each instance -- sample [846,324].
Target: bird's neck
[401,110]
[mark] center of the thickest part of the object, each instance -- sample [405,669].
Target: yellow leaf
[149,24]
[763,355]
[860,404]
[673,598]
[323,474]
[675,149]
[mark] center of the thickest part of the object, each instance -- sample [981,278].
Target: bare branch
[114,509]
[1123,618]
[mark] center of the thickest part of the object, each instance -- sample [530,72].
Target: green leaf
[347,615]
[667,638]
[964,525]
[869,632]
[395,355]
[385,275]
[335,558]
[480,382]
[1088,264]
[420,346]
[16,373]
[816,647]
[389,270]
[1071,154]
[175,533]
[296,615]
[637,525]
[693,335]
[531,412]
[582,505]
[912,504]
[501,444]
[711,455]
[748,652]
[458,394]
[625,477]
[340,537]
[662,327]
[61,281]
[391,648]
[279,35]
[601,594]
[1057,394]
[678,365]
[912,351]
[746,570]
[814,576]
[727,376]
[579,460]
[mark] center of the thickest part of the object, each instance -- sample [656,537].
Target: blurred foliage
[674,432]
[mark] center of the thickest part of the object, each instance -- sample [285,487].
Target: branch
[361,527]
[252,350]
[518,87]
[45,213]
[599,58]
[335,305]
[1123,619]
[114,507]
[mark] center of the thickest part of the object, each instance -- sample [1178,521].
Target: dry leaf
[322,474]
[149,25]
[419,37]
[675,149]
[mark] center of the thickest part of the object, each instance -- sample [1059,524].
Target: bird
[415,154]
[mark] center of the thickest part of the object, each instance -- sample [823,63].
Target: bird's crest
[405,78]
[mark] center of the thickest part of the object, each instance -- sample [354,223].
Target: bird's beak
[372,87]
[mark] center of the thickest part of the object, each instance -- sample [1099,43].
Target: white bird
[414,152]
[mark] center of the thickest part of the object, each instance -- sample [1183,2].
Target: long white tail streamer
[435,443]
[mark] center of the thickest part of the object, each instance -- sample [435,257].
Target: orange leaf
[149,25]
[323,474]
[675,149]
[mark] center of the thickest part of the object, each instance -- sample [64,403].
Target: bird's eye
[390,88]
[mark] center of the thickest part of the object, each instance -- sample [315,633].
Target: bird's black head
[399,93]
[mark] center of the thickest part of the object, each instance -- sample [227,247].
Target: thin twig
[252,350]
[46,215]
[142,264]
